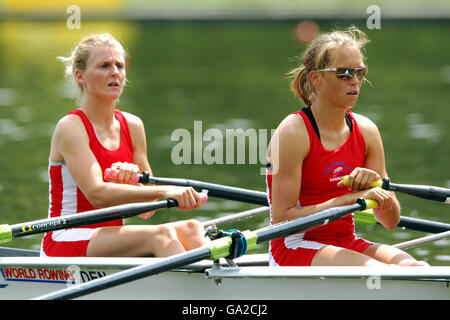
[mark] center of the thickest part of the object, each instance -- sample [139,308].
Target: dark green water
[228,75]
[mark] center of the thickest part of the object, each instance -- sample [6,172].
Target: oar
[424,192]
[236,217]
[214,250]
[6,231]
[214,190]
[256,197]
[423,240]
[9,232]
[367,217]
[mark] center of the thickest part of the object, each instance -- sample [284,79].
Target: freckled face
[105,73]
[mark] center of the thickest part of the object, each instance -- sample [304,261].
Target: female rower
[320,144]
[91,139]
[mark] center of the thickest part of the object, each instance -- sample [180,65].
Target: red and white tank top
[321,171]
[65,196]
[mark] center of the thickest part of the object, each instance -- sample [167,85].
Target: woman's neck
[99,111]
[329,117]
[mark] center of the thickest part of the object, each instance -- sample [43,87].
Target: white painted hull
[30,277]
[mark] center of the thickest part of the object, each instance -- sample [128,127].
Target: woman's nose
[115,69]
[355,79]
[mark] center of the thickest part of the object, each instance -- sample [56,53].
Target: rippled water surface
[228,75]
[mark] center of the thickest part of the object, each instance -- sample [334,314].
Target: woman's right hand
[187,197]
[122,172]
[360,179]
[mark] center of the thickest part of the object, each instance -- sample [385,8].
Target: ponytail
[301,84]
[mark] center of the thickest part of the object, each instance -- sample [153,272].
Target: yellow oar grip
[370,204]
[378,183]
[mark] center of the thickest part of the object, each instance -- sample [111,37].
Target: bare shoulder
[133,120]
[137,133]
[135,125]
[70,125]
[367,126]
[293,126]
[292,137]
[69,134]
[370,132]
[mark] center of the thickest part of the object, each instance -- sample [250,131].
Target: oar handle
[112,175]
[425,192]
[370,204]
[377,183]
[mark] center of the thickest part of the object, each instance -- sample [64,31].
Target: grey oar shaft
[236,217]
[423,240]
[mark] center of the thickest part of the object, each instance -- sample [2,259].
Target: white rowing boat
[30,277]
[195,276]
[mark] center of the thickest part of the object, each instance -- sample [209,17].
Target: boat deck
[25,277]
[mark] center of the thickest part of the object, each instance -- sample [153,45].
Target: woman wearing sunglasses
[316,147]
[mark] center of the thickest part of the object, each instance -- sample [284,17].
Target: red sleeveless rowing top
[321,171]
[105,157]
[66,198]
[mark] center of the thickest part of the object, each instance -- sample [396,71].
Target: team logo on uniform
[337,170]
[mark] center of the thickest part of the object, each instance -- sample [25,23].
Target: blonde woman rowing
[91,139]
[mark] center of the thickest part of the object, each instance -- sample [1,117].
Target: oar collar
[238,246]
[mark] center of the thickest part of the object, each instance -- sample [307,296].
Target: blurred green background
[228,73]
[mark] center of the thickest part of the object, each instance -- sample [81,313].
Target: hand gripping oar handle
[214,190]
[9,232]
[424,192]
[213,250]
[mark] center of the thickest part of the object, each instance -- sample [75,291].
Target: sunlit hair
[317,56]
[80,55]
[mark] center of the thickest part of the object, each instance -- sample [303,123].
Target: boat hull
[251,279]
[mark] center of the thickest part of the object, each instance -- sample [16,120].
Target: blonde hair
[317,56]
[80,55]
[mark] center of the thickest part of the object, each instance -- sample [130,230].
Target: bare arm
[70,143]
[293,148]
[389,213]
[138,137]
[286,181]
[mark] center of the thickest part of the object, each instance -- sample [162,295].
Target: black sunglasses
[347,73]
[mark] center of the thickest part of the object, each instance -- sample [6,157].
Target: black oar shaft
[307,222]
[206,252]
[87,218]
[129,275]
[423,225]
[260,198]
[424,192]
[214,190]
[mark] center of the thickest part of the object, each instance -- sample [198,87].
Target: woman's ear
[315,78]
[79,77]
